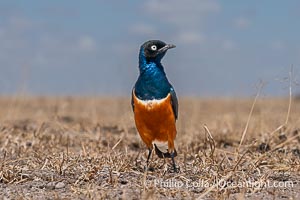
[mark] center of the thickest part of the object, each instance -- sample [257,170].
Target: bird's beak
[165,48]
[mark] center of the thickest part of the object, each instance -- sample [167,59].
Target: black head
[154,49]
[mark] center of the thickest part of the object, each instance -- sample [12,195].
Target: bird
[154,102]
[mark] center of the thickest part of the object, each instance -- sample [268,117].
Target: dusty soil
[88,148]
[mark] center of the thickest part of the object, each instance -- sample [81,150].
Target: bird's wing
[132,101]
[174,102]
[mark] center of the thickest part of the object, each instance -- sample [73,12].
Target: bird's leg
[173,162]
[149,155]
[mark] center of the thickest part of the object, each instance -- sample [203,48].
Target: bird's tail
[164,155]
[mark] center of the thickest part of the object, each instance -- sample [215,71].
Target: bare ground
[88,148]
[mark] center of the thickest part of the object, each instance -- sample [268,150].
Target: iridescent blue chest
[152,83]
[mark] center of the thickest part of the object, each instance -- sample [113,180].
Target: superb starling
[154,102]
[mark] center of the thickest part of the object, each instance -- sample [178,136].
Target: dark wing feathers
[132,101]
[174,102]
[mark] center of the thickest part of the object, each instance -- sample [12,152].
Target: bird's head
[154,50]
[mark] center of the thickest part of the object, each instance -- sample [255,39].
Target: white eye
[153,47]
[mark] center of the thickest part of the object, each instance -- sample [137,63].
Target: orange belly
[155,121]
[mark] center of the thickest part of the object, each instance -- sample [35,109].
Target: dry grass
[88,148]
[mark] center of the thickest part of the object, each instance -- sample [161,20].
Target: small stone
[60,185]
[50,185]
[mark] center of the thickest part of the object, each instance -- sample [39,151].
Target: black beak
[165,48]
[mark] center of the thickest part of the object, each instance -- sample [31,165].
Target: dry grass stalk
[260,86]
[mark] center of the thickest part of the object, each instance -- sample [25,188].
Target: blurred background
[91,47]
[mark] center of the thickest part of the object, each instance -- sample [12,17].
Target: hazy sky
[91,47]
